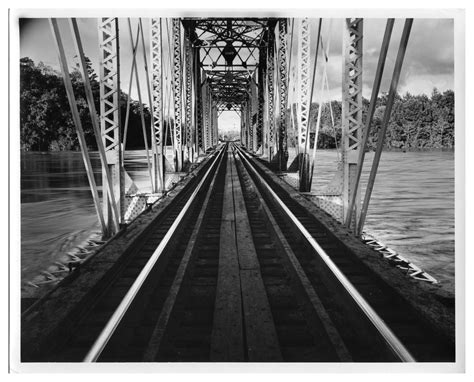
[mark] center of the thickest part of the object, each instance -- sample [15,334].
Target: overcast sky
[429,60]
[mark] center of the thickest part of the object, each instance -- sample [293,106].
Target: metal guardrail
[109,329]
[391,340]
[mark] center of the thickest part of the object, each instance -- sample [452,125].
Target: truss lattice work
[177,89]
[283,93]
[188,90]
[351,108]
[157,99]
[304,81]
[110,113]
[271,93]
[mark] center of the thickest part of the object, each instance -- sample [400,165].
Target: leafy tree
[45,117]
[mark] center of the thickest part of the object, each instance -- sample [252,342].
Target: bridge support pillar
[352,125]
[282,154]
[188,96]
[206,115]
[198,109]
[156,41]
[110,117]
[177,94]
[271,94]
[214,113]
[261,74]
[304,105]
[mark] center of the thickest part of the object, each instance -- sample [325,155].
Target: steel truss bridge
[233,264]
[197,68]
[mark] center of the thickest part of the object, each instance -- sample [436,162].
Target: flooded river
[412,206]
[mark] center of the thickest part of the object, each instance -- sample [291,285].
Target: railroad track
[237,271]
[414,334]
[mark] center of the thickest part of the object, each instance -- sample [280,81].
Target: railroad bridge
[222,260]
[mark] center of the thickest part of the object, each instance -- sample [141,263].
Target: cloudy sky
[429,60]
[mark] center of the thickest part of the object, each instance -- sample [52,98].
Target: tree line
[417,121]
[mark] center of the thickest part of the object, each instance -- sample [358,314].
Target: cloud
[429,59]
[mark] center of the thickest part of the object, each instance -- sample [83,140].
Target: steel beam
[369,117]
[283,94]
[206,115]
[246,117]
[198,110]
[107,187]
[304,103]
[156,40]
[110,115]
[271,93]
[253,109]
[77,123]
[386,118]
[188,97]
[214,124]
[261,73]
[352,125]
[177,93]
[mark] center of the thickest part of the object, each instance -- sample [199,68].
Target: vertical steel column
[352,125]
[205,115]
[188,110]
[283,93]
[262,68]
[253,110]
[110,115]
[209,117]
[242,125]
[108,187]
[215,136]
[271,93]
[198,99]
[369,117]
[157,98]
[211,120]
[246,123]
[304,103]
[177,93]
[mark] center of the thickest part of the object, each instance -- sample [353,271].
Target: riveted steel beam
[283,94]
[109,75]
[262,69]
[304,103]
[188,97]
[177,93]
[156,40]
[352,125]
[271,93]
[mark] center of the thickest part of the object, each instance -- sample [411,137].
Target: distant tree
[45,117]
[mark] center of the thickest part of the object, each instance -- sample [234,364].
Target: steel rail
[391,340]
[156,338]
[114,321]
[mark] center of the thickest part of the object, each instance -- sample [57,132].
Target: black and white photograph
[237,188]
